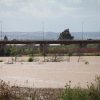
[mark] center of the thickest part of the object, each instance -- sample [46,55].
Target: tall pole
[43,30]
[82,30]
[43,44]
[1,30]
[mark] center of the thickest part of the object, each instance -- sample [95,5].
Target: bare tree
[58,54]
[69,54]
[33,51]
[80,53]
[15,52]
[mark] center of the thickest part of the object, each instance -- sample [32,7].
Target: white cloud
[80,16]
[7,2]
[98,1]
[47,9]
[40,8]
[6,14]
[74,1]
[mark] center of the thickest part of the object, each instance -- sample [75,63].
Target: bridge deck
[49,41]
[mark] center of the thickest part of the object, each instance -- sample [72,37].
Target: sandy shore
[49,74]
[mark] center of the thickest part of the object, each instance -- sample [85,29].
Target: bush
[30,59]
[92,92]
[96,54]
[1,60]
[43,54]
[77,93]
[94,89]
[8,92]
[70,53]
[86,62]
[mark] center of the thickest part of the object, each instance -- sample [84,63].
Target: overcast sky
[57,15]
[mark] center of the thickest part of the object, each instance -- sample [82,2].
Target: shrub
[70,53]
[86,62]
[94,89]
[30,59]
[92,92]
[1,60]
[96,54]
[43,54]
[8,92]
[77,93]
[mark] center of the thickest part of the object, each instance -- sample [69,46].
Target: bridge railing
[48,41]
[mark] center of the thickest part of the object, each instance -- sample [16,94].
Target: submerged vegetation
[92,92]
[56,52]
[30,59]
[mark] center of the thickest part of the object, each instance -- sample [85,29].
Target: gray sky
[57,15]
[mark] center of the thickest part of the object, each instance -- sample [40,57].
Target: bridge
[82,43]
[49,41]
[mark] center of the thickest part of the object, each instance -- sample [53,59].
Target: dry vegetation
[8,92]
[92,92]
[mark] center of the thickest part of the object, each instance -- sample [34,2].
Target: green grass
[77,93]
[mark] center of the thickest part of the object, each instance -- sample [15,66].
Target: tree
[65,35]
[2,52]
[70,53]
[58,54]
[8,50]
[98,46]
[5,38]
[80,53]
[31,50]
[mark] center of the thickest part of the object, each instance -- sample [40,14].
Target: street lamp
[82,30]
[1,30]
[43,44]
[43,30]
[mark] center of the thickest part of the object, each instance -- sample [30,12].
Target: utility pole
[1,30]
[82,30]
[43,30]
[43,44]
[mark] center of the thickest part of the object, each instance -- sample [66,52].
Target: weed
[30,59]
[94,89]
[8,92]
[92,92]
[77,93]
[1,60]
[86,62]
